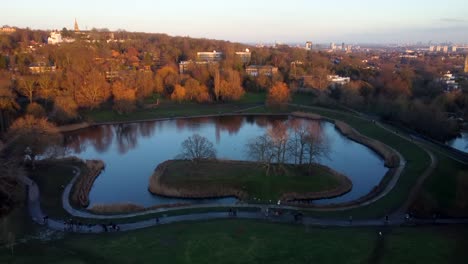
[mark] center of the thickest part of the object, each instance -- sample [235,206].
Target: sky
[256,21]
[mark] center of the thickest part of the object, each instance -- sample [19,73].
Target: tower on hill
[77,29]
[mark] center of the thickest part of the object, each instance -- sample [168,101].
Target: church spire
[76,26]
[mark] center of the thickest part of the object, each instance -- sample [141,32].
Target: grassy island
[246,180]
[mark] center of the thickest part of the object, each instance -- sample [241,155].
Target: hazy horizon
[256,22]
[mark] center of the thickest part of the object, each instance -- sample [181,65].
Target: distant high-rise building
[332,46]
[77,29]
[308,45]
[446,49]
[454,48]
[466,63]
[432,48]
[343,47]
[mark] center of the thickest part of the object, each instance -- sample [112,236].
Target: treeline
[135,69]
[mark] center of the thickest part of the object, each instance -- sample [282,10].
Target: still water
[460,143]
[132,151]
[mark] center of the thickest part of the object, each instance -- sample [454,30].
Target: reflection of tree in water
[147,128]
[100,137]
[231,124]
[192,123]
[127,137]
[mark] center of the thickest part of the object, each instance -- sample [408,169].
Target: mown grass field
[245,241]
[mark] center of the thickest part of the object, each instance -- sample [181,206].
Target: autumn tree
[32,137]
[144,84]
[124,98]
[196,148]
[8,103]
[196,91]
[47,87]
[179,93]
[94,90]
[169,78]
[36,110]
[278,95]
[65,109]
[230,89]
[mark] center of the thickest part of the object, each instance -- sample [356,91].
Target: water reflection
[132,151]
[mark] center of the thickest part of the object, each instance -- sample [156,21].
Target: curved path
[38,217]
[396,218]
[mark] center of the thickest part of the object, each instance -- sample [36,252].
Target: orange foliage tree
[196,91]
[179,93]
[279,95]
[124,98]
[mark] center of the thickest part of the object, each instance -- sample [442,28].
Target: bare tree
[315,146]
[27,87]
[196,148]
[260,149]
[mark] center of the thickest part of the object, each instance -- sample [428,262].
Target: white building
[257,70]
[449,82]
[54,38]
[209,56]
[308,45]
[338,80]
[244,56]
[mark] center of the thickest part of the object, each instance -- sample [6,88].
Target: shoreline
[386,153]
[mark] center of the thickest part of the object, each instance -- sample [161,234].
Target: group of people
[232,212]
[73,225]
[110,227]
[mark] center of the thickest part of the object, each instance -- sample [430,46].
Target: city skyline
[260,21]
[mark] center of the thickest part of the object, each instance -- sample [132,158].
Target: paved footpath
[395,219]
[59,224]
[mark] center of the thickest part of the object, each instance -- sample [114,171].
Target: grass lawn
[169,108]
[444,192]
[249,177]
[51,179]
[227,241]
[426,245]
[246,241]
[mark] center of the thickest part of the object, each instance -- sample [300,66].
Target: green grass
[249,177]
[51,178]
[227,241]
[426,245]
[168,109]
[444,192]
[246,241]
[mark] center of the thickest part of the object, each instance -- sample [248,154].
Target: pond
[460,143]
[132,151]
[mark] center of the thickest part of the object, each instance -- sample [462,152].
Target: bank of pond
[132,151]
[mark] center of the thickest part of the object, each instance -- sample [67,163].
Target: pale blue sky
[255,20]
